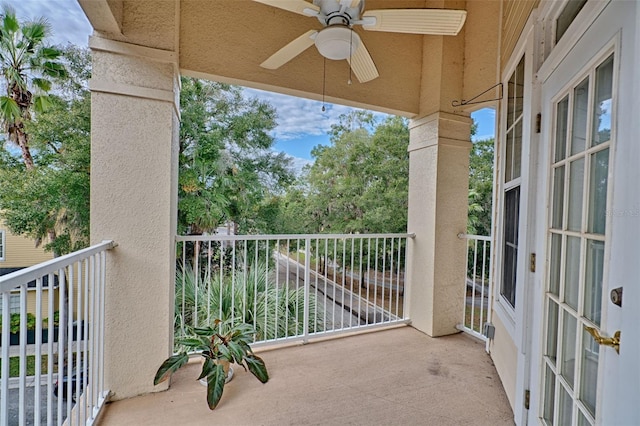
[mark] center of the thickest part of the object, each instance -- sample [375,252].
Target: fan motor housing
[337,42]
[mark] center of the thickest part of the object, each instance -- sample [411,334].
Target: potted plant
[218,348]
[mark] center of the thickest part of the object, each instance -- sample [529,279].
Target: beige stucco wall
[505,357]
[227,40]
[134,147]
[438,184]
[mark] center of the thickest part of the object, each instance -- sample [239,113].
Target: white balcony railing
[56,350]
[291,287]
[478,285]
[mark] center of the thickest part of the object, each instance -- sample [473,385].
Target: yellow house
[18,252]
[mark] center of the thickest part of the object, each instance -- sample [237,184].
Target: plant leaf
[207,367]
[215,386]
[171,365]
[9,109]
[257,367]
[236,351]
[193,343]
[41,103]
[224,352]
[203,331]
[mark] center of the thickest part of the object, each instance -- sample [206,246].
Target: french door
[577,244]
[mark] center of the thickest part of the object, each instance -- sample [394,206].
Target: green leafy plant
[251,297]
[216,347]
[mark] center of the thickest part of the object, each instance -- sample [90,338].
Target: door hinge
[538,123]
[532,262]
[527,396]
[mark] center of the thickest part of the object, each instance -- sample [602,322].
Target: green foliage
[480,187]
[14,326]
[51,203]
[248,298]
[29,68]
[14,365]
[227,167]
[358,184]
[223,342]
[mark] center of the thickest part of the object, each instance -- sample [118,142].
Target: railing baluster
[478,270]
[23,355]
[335,305]
[4,377]
[38,354]
[307,277]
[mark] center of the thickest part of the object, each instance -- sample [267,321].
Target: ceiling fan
[338,41]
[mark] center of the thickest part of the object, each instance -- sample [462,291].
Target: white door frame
[618,385]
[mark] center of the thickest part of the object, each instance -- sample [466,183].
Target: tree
[50,204]
[359,184]
[228,170]
[27,66]
[480,187]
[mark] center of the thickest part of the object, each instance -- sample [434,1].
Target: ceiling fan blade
[362,65]
[290,51]
[295,6]
[415,21]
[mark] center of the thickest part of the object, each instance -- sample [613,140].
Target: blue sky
[301,122]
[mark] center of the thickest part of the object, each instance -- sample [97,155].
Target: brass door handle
[614,341]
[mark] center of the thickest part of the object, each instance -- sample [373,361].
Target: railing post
[307,283]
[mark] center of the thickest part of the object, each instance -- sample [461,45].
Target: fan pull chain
[324,81]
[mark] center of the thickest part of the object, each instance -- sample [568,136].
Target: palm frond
[9,109]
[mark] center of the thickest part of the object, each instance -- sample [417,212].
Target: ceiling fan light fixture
[337,42]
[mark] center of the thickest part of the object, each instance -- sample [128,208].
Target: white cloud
[69,23]
[299,117]
[298,164]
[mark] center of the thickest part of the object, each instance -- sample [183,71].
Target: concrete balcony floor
[391,377]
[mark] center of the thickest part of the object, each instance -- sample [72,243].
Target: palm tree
[26,64]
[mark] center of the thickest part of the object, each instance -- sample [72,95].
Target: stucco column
[438,196]
[134,150]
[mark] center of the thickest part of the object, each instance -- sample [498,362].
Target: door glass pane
[576,184]
[549,395]
[511,91]
[580,114]
[582,420]
[519,88]
[572,272]
[511,221]
[554,264]
[567,16]
[562,118]
[593,280]
[517,150]
[598,192]
[566,408]
[569,325]
[508,158]
[602,105]
[589,372]
[558,197]
[552,331]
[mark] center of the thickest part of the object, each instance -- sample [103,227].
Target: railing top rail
[218,237]
[11,281]
[474,237]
